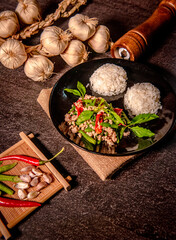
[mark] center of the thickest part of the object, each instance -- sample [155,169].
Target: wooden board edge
[30,210]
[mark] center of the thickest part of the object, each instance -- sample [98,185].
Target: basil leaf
[84,116]
[74,91]
[88,129]
[142,118]
[105,124]
[89,102]
[81,88]
[87,137]
[142,132]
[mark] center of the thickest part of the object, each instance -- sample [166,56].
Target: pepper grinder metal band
[135,42]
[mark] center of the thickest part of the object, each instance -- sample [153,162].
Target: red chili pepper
[30,160]
[118,111]
[99,119]
[79,109]
[9,202]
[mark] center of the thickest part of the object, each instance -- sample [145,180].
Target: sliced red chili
[99,119]
[118,110]
[9,202]
[80,108]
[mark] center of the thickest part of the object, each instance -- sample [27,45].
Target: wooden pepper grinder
[134,43]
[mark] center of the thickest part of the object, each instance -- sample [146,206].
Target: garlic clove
[25,178]
[34,181]
[100,41]
[47,178]
[22,194]
[54,40]
[32,194]
[75,53]
[82,27]
[32,175]
[41,185]
[12,53]
[37,171]
[9,24]
[38,68]
[22,185]
[27,169]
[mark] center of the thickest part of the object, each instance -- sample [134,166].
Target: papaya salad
[93,122]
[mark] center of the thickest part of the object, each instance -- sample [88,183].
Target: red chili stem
[9,202]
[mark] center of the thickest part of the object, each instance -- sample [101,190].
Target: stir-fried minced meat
[96,124]
[92,127]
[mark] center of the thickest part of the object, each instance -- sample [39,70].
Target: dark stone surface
[139,203]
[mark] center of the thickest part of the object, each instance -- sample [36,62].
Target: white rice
[109,80]
[142,98]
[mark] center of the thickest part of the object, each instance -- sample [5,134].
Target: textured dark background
[139,203]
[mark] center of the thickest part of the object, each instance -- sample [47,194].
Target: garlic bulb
[28,11]
[38,68]
[82,27]
[12,53]
[75,54]
[99,42]
[9,24]
[54,40]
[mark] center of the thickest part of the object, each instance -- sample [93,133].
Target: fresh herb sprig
[80,91]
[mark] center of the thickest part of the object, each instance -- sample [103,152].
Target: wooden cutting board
[103,166]
[11,216]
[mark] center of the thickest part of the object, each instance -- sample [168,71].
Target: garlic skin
[38,68]
[12,53]
[99,42]
[54,40]
[9,24]
[75,54]
[28,11]
[82,27]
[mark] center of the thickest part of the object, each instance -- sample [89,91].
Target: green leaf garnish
[105,124]
[142,118]
[142,132]
[74,91]
[84,116]
[88,129]
[81,88]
